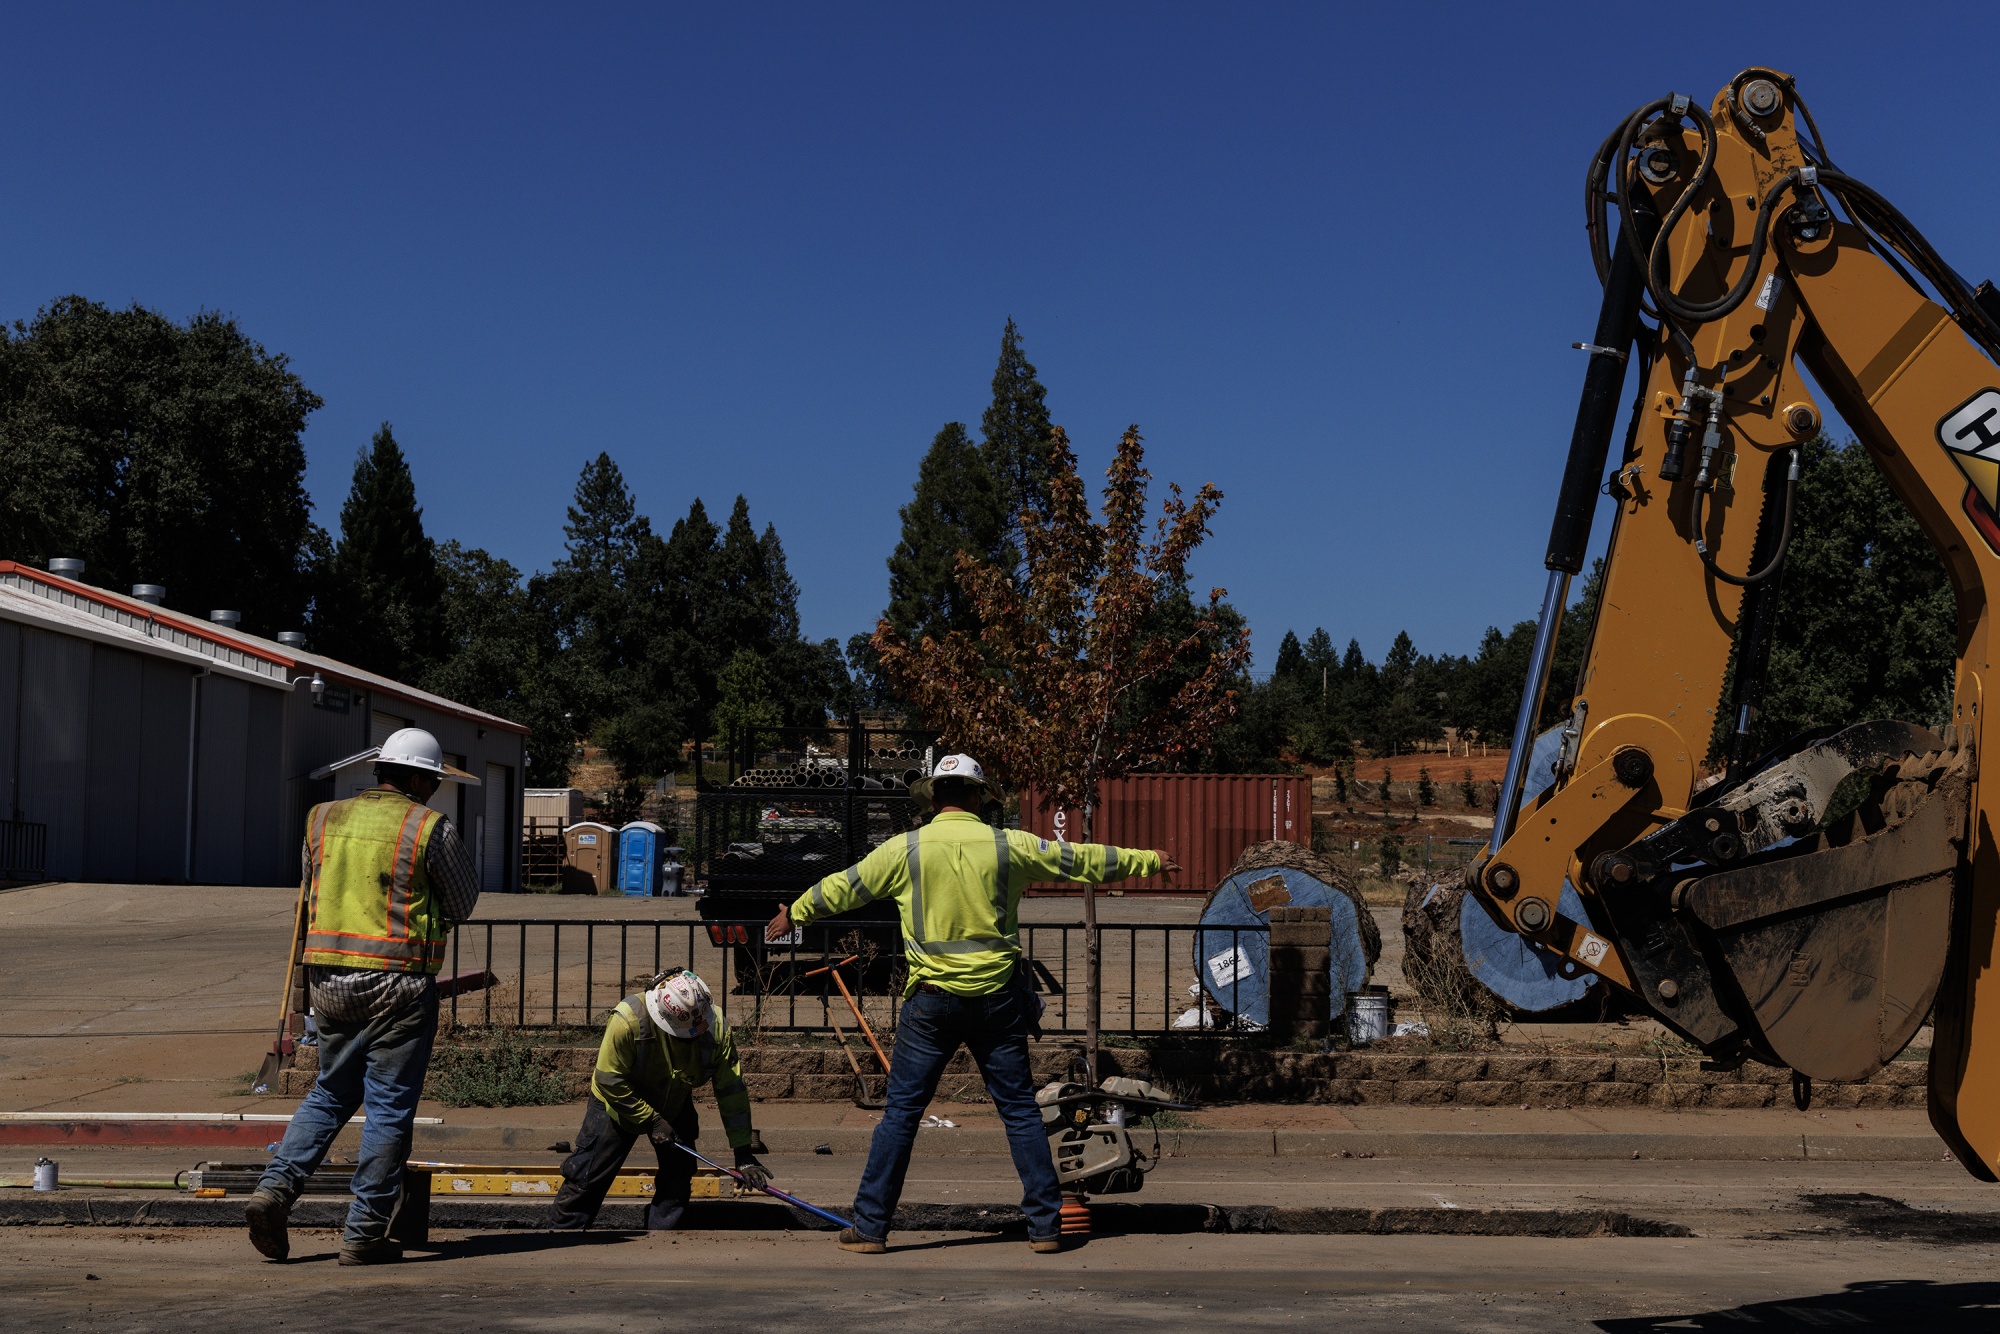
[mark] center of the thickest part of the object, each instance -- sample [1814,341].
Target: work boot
[267,1215]
[850,1240]
[1045,1245]
[380,1251]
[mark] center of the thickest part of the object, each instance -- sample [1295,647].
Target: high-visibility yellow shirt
[643,1070]
[957,883]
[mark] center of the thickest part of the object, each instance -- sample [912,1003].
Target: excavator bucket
[1837,953]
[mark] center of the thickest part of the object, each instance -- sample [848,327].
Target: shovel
[860,1081]
[274,1060]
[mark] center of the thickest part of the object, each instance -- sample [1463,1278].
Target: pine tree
[1469,790]
[1385,785]
[957,507]
[1426,793]
[744,697]
[1018,436]
[1291,657]
[385,596]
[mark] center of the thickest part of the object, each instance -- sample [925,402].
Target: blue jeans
[928,1034]
[379,1067]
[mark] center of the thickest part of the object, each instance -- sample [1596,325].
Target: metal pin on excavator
[1762,917]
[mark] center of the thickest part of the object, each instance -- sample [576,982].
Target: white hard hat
[959,766]
[414,748]
[679,1002]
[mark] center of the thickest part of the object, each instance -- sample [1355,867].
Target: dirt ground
[119,1279]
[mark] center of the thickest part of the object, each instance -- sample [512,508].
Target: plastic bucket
[1367,1015]
[45,1174]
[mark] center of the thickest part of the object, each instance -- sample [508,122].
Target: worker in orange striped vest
[387,879]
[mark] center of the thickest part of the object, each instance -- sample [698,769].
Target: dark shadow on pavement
[1934,1308]
[513,1243]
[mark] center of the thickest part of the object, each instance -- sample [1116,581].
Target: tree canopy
[159,453]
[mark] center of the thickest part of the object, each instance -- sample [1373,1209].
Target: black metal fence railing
[24,849]
[568,973]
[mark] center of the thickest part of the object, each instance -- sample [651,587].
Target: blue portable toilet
[642,849]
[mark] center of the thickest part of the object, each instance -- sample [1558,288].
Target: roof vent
[232,619]
[292,638]
[153,593]
[69,567]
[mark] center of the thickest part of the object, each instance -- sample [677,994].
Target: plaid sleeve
[450,865]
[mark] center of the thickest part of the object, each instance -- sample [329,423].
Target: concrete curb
[440,1142]
[755,1216]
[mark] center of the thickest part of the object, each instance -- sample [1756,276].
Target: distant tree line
[171,453]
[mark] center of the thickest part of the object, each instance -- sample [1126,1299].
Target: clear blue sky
[1328,257]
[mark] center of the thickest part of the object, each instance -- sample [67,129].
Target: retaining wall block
[1489,1093]
[764,1087]
[1375,1090]
[1457,1068]
[1392,1067]
[1636,1069]
[1675,1096]
[1548,1092]
[1740,1095]
[1341,1091]
[1425,1092]
[1580,1069]
[1903,1074]
[1523,1068]
[1615,1094]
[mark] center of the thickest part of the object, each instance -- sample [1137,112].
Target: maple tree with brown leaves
[1061,687]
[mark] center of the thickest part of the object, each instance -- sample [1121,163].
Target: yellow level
[517,1181]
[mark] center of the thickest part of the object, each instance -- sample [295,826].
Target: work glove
[660,1132]
[755,1174]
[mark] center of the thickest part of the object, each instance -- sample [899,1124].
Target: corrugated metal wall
[1203,821]
[94,743]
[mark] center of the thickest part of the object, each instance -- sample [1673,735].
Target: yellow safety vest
[957,883]
[371,900]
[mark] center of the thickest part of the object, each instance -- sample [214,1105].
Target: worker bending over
[659,1046]
[387,879]
[957,883]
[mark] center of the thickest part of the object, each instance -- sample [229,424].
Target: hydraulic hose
[1784,542]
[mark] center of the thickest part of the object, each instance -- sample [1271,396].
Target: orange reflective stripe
[402,871]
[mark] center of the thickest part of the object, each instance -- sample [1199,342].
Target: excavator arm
[1811,907]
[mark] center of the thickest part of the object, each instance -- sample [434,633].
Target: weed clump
[502,1071]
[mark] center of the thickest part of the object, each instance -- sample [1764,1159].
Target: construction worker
[388,878]
[957,883]
[659,1046]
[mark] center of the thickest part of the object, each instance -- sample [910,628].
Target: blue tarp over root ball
[1235,966]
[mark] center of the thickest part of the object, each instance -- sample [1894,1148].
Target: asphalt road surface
[123,1279]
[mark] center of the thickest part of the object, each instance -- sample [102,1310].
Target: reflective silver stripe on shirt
[1111,856]
[979,946]
[916,888]
[862,894]
[1000,851]
[737,1122]
[1068,861]
[819,899]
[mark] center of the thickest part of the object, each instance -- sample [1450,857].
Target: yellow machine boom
[1753,914]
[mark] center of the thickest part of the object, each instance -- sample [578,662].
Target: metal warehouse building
[154,747]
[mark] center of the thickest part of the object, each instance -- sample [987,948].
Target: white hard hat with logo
[679,1002]
[954,769]
[414,748]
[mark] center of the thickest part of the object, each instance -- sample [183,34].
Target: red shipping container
[1202,821]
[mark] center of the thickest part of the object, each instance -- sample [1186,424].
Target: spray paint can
[45,1174]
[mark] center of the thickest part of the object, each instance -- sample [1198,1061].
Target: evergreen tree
[497,656]
[1469,790]
[1291,657]
[1426,792]
[1017,435]
[745,697]
[385,595]
[957,507]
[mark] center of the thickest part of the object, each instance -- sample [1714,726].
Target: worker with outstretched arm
[957,883]
[659,1046]
[387,879]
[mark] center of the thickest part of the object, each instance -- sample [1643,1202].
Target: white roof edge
[40,598]
[27,609]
